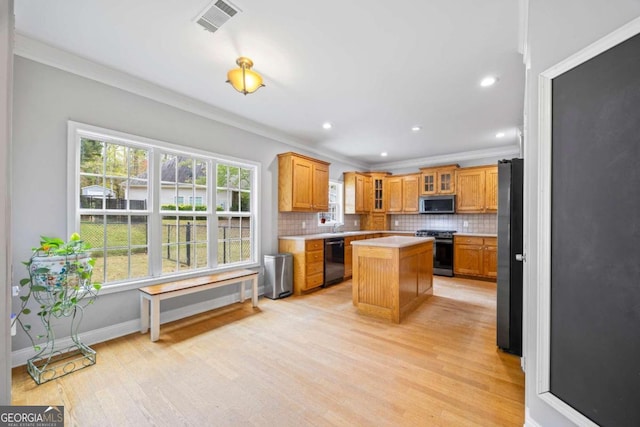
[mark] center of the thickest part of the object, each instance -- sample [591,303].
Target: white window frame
[340,206]
[76,131]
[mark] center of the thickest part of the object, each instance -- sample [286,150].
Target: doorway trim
[545,126]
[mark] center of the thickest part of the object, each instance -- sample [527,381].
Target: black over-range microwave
[437,204]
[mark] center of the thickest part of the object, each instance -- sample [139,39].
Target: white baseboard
[528,421]
[20,357]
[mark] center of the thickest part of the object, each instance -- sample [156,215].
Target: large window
[149,209]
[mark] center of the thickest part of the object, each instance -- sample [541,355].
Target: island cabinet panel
[372,268]
[391,281]
[408,280]
[308,263]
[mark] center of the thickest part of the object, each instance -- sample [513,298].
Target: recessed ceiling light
[327,125]
[416,128]
[383,154]
[488,81]
[500,135]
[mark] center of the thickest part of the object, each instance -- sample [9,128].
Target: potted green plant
[60,281]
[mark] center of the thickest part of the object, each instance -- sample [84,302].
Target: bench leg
[242,291]
[144,314]
[155,318]
[254,291]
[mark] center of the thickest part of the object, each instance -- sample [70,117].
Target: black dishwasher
[333,260]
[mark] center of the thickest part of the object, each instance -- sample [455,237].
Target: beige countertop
[393,241]
[342,234]
[476,234]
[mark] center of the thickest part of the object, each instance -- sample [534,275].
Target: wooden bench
[152,295]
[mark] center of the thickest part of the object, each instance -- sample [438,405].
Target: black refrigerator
[509,287]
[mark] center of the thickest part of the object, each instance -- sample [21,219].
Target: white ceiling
[372,68]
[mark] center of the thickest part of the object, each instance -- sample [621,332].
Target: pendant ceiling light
[244,79]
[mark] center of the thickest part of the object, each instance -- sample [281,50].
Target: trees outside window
[149,209]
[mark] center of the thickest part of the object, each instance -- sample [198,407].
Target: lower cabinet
[348,255]
[308,262]
[475,256]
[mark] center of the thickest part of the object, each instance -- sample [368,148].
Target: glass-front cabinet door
[438,180]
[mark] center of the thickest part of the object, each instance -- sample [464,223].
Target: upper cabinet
[364,192]
[303,183]
[357,193]
[438,180]
[477,189]
[403,192]
[378,184]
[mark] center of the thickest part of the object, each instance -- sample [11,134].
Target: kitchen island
[392,275]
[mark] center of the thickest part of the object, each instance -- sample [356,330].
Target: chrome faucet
[336,226]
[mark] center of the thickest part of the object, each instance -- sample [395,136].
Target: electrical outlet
[304,224]
[15,291]
[465,223]
[396,223]
[355,222]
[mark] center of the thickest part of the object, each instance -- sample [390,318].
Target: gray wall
[556,31]
[45,98]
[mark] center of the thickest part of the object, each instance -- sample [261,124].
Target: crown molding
[44,53]
[505,151]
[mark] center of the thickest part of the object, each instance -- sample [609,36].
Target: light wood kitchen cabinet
[368,194]
[491,189]
[394,198]
[348,255]
[410,193]
[308,262]
[490,258]
[403,193]
[477,189]
[374,222]
[475,256]
[303,183]
[357,193]
[438,180]
[379,191]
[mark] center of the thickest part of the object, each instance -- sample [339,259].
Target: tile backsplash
[462,223]
[291,223]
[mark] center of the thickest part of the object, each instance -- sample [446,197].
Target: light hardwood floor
[309,360]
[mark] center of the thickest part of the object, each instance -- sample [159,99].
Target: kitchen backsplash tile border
[290,223]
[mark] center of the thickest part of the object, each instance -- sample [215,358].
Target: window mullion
[212,233]
[155,218]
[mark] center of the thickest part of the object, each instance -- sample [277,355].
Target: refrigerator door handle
[521,257]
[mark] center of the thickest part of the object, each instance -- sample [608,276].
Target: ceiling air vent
[216,14]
